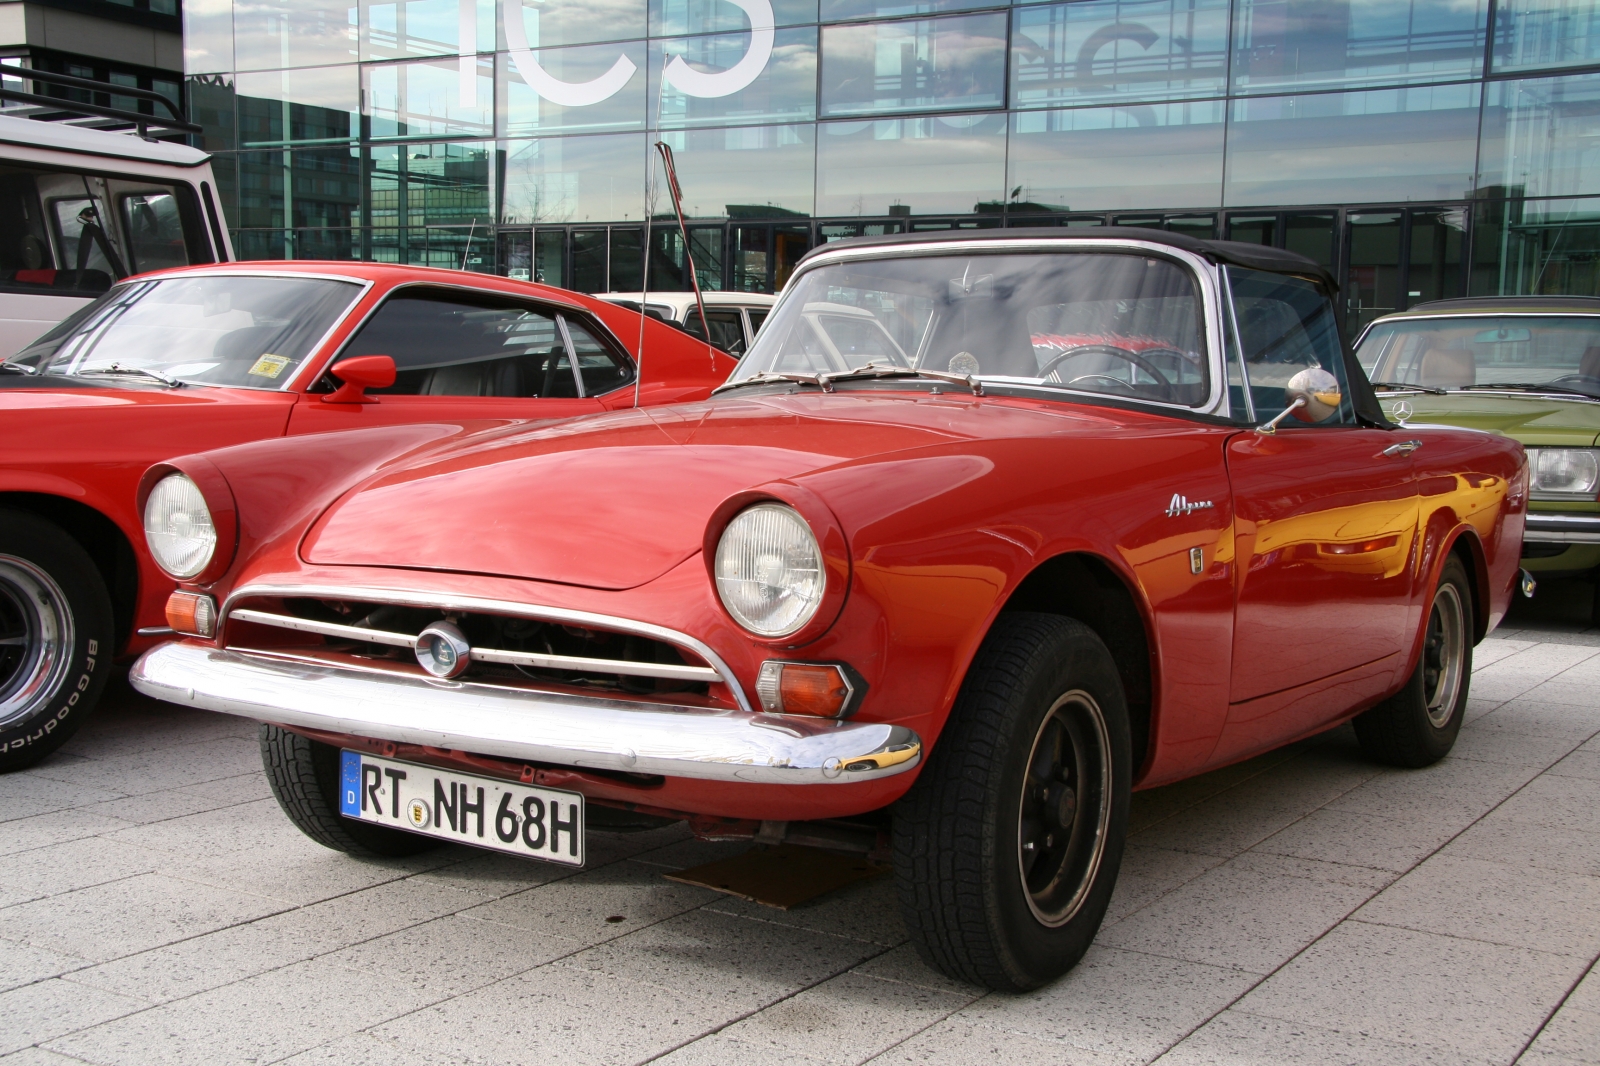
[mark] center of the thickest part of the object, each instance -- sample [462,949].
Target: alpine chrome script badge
[442,650]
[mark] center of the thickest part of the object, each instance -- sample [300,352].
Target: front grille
[506,647]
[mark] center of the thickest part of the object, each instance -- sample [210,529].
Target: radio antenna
[688,254]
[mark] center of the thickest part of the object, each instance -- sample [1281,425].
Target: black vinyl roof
[1254,256]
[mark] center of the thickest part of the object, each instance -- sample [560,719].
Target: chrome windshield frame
[1213,304]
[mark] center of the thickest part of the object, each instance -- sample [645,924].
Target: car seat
[1589,365]
[1448,368]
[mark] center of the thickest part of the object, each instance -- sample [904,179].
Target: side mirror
[358,374]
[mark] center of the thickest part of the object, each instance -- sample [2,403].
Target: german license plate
[541,823]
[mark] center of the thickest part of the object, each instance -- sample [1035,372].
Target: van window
[75,234]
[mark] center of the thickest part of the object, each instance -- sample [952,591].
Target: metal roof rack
[19,103]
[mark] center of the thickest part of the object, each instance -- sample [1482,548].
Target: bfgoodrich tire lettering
[304,776]
[1417,726]
[1007,847]
[56,635]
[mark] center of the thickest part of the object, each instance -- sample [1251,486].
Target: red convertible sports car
[927,587]
[180,361]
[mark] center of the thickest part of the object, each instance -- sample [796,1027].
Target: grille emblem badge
[443,650]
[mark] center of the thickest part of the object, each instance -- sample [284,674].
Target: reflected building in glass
[1420,148]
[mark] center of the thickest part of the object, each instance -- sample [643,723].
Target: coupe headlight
[1569,472]
[178,526]
[769,570]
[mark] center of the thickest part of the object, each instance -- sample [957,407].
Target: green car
[1527,367]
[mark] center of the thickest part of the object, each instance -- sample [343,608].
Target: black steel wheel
[56,638]
[1418,725]
[304,775]
[1007,848]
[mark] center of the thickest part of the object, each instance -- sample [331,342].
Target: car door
[464,354]
[1326,525]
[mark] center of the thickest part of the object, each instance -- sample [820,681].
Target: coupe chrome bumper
[1550,528]
[569,730]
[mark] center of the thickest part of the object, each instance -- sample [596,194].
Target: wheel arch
[1469,549]
[1085,587]
[101,538]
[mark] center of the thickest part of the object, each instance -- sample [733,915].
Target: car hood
[614,501]
[1529,418]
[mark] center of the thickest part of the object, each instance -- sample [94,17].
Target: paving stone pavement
[1306,907]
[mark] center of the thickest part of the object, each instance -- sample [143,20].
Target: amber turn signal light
[825,690]
[192,613]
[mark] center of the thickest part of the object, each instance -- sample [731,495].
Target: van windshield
[224,329]
[1113,323]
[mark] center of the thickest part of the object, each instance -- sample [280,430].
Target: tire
[1418,725]
[57,638]
[1037,745]
[304,775]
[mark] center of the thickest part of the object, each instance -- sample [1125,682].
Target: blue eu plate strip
[350,783]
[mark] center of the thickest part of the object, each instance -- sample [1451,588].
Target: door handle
[1405,447]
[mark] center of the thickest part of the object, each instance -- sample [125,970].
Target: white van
[733,317]
[81,208]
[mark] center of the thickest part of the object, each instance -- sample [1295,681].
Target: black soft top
[1254,256]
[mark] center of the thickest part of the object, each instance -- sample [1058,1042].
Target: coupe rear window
[1119,324]
[223,329]
[1486,350]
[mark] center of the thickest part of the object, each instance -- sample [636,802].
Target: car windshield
[221,329]
[1501,351]
[1114,323]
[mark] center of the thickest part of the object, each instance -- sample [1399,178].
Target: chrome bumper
[569,730]
[1550,528]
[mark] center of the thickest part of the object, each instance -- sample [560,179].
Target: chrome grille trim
[717,671]
[326,629]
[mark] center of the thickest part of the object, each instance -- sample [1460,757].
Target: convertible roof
[1254,256]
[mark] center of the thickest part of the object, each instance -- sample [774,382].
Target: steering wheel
[1120,353]
[1122,386]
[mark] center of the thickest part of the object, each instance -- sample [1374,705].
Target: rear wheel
[1008,846]
[56,637]
[304,775]
[1418,725]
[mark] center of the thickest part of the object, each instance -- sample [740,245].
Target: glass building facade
[1420,148]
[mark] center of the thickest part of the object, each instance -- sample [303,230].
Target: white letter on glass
[467,50]
[727,82]
[565,93]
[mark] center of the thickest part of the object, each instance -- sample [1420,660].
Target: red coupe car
[922,586]
[183,360]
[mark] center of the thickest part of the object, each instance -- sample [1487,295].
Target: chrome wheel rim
[1443,650]
[1065,809]
[36,638]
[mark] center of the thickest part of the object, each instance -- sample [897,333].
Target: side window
[84,235]
[727,330]
[155,230]
[756,318]
[602,369]
[449,344]
[1288,338]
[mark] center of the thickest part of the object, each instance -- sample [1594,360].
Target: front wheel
[56,637]
[1007,847]
[304,775]
[1418,725]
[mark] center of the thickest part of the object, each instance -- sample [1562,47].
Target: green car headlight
[1567,473]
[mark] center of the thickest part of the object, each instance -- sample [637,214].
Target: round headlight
[178,526]
[769,570]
